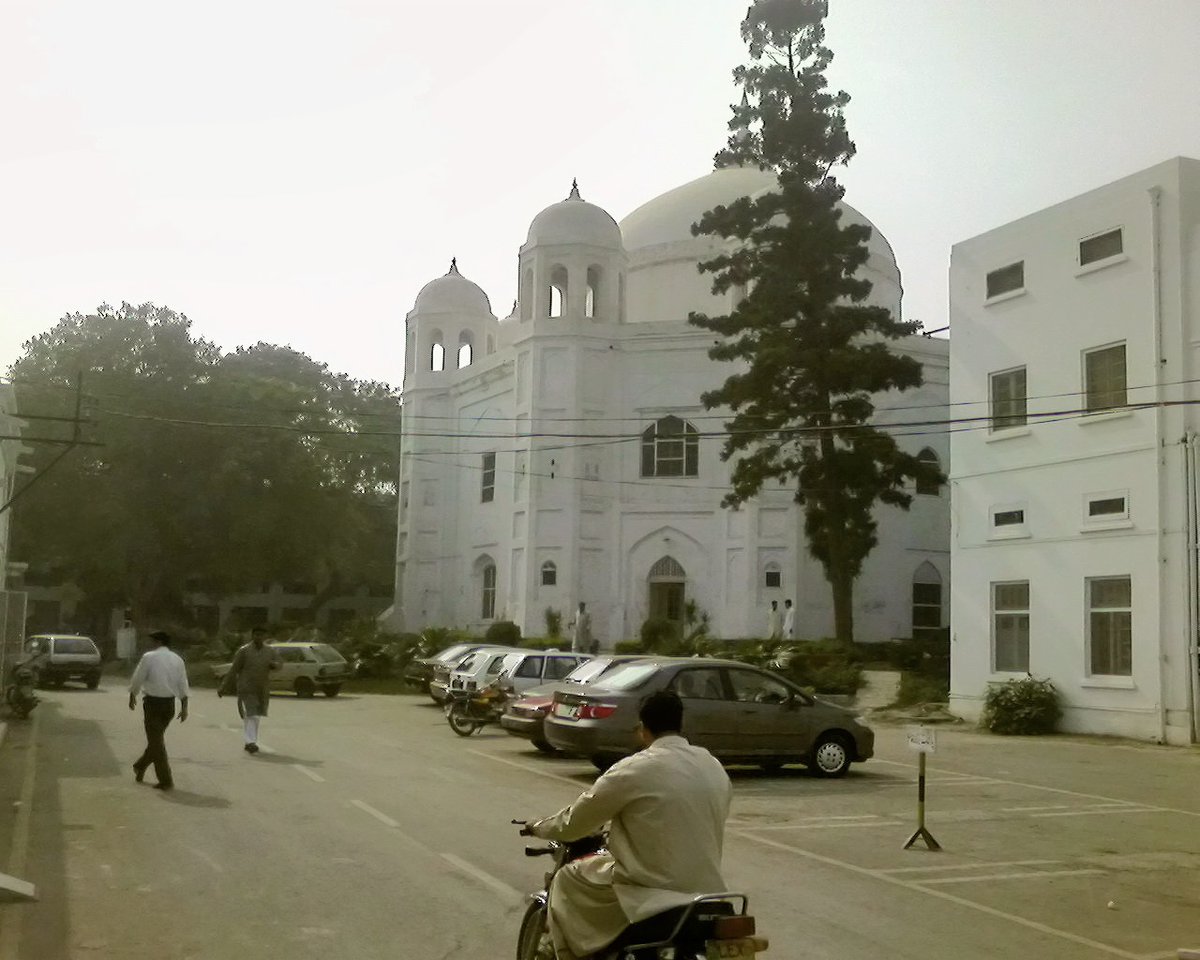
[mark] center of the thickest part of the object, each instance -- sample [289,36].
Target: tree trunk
[843,604]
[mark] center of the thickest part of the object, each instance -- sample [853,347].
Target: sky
[293,171]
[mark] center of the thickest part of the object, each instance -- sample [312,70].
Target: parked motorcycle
[470,710]
[18,692]
[712,925]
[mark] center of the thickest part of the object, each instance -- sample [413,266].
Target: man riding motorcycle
[666,807]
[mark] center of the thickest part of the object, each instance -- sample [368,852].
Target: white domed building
[506,510]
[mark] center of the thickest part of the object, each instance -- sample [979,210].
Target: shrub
[1023,706]
[542,643]
[553,622]
[505,633]
[657,634]
[629,646]
[825,674]
[916,688]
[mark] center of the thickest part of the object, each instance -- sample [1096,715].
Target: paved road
[370,831]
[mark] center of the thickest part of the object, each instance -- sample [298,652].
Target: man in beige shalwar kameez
[250,678]
[666,807]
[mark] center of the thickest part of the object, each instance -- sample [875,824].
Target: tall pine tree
[813,352]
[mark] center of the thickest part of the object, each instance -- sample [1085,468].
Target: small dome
[452,293]
[574,220]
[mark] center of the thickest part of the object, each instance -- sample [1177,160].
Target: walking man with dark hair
[250,678]
[161,678]
[666,807]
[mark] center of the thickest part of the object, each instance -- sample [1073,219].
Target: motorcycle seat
[660,927]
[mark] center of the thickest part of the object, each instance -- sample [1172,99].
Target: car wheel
[459,722]
[304,687]
[544,746]
[331,689]
[602,761]
[831,757]
[93,681]
[533,930]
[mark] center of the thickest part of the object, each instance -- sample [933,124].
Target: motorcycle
[711,925]
[469,710]
[18,694]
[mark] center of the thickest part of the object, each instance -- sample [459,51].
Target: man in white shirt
[774,621]
[160,677]
[789,620]
[666,807]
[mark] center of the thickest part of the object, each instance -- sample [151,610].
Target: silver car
[742,714]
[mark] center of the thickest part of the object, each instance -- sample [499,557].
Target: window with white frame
[1008,517]
[926,602]
[1102,246]
[1110,626]
[1104,378]
[1107,506]
[772,576]
[670,448]
[549,574]
[1006,279]
[487,490]
[487,579]
[1008,398]
[1010,627]
[927,485]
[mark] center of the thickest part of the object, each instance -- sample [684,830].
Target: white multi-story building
[1075,337]
[562,454]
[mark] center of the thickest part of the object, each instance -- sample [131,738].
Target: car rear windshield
[588,671]
[326,654]
[630,676]
[471,662]
[74,645]
[453,653]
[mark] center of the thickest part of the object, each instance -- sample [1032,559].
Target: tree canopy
[813,353]
[216,471]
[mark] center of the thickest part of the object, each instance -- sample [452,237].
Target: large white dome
[574,220]
[668,218]
[453,293]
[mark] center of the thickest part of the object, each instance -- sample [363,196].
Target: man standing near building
[581,630]
[160,677]
[789,620]
[774,621]
[250,679]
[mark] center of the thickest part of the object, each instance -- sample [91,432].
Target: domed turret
[572,264]
[452,293]
[574,221]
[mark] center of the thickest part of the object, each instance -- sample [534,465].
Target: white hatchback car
[305,668]
[531,668]
[480,668]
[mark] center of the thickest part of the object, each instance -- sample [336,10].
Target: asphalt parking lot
[367,826]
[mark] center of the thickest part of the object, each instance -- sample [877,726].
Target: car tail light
[596,711]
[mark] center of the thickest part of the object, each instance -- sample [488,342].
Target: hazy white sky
[293,170]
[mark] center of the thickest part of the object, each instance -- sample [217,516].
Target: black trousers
[157,714]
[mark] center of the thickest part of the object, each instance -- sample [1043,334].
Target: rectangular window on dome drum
[488,489]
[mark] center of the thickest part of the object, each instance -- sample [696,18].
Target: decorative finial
[574,194]
[453,271]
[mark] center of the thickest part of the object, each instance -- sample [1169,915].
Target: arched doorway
[668,590]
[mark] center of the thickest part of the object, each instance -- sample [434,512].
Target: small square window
[1107,507]
[1104,375]
[1101,247]
[773,579]
[1006,279]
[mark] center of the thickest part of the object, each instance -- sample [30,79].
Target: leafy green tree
[216,471]
[812,352]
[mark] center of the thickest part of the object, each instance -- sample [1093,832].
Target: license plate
[731,949]
[567,711]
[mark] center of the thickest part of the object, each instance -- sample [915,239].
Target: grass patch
[917,688]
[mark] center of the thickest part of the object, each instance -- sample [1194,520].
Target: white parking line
[941,895]
[497,886]
[311,774]
[1121,811]
[823,826]
[377,814]
[528,768]
[973,866]
[1024,875]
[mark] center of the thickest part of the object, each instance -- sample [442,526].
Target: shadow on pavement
[186,798]
[285,758]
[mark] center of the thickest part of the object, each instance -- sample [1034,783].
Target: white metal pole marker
[924,741]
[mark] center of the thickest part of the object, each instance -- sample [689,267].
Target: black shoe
[252,747]
[138,773]
[164,786]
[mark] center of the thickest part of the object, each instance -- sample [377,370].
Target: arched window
[558,292]
[670,448]
[668,590]
[929,486]
[549,574]
[437,357]
[466,349]
[486,570]
[526,295]
[926,602]
[772,576]
[592,301]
